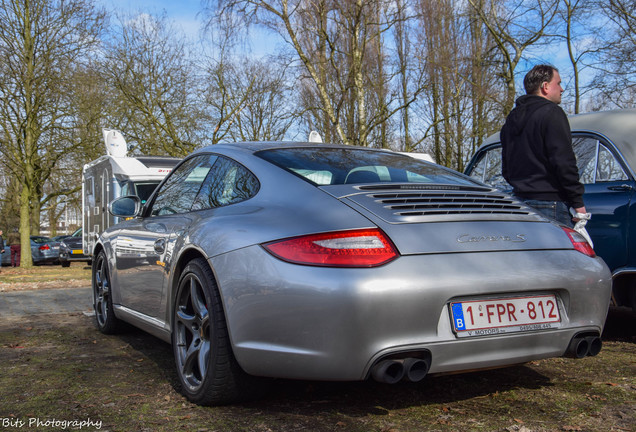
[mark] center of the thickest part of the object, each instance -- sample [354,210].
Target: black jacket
[537,156]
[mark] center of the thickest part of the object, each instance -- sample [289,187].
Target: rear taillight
[359,248]
[44,247]
[579,242]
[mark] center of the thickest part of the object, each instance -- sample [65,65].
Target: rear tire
[105,317]
[207,370]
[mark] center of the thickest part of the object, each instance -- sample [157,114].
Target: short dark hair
[537,76]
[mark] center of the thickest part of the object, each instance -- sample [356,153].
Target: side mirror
[125,207]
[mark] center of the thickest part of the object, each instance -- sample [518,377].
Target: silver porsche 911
[322,262]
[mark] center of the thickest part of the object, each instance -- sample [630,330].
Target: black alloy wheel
[102,298]
[207,369]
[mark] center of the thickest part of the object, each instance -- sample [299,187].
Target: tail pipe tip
[415,369]
[391,371]
[388,371]
[583,346]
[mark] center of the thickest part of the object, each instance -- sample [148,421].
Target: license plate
[77,251]
[505,315]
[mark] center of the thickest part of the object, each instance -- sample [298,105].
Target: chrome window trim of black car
[484,151]
[609,144]
[594,158]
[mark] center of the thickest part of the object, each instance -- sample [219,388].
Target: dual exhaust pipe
[583,346]
[414,369]
[391,371]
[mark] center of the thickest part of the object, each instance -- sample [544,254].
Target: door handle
[621,188]
[160,245]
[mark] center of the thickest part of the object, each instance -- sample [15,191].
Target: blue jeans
[556,210]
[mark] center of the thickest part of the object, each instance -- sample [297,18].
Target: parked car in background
[324,262]
[44,250]
[605,147]
[59,238]
[71,249]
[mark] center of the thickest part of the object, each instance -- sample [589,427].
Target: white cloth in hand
[580,225]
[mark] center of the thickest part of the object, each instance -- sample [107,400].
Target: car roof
[617,126]
[255,146]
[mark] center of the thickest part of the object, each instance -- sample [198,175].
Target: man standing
[537,156]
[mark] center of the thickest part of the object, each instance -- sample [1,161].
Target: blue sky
[182,12]
[187,14]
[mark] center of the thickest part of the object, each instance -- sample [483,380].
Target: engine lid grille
[433,204]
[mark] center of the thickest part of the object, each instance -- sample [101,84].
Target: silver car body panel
[295,321]
[335,325]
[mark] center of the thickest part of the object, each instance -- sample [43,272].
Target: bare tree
[147,64]
[89,113]
[617,76]
[41,43]
[268,110]
[514,25]
[485,92]
[623,12]
[579,27]
[226,95]
[410,82]
[335,44]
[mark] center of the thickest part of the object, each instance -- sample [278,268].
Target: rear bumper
[334,324]
[46,259]
[67,254]
[69,257]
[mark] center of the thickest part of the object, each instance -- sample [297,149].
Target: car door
[608,194]
[144,246]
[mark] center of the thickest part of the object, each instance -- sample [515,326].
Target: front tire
[208,372]
[105,317]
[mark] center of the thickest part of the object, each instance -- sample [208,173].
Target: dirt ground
[78,274]
[59,373]
[60,368]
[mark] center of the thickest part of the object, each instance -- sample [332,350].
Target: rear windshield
[336,166]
